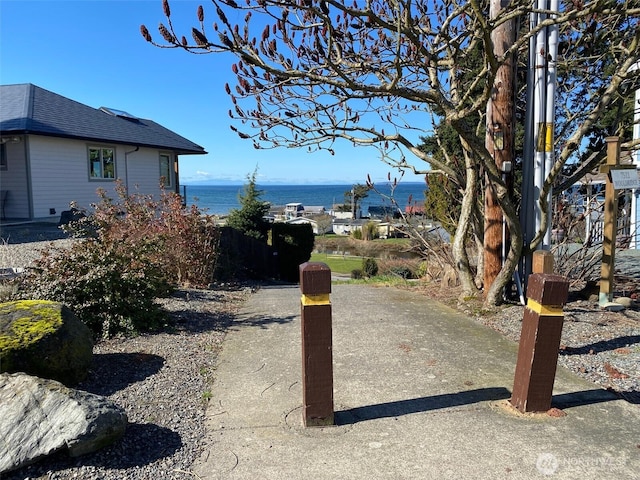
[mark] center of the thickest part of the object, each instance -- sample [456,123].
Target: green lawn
[338,263]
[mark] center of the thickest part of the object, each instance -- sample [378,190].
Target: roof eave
[177,150]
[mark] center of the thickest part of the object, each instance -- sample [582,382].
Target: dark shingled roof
[29,109]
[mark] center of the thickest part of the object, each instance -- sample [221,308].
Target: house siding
[60,175]
[144,171]
[14,180]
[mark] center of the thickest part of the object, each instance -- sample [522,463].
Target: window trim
[101,178]
[169,179]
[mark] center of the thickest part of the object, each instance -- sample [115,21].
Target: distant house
[415,210]
[55,150]
[320,223]
[383,211]
[586,198]
[346,226]
[296,210]
[310,210]
[343,215]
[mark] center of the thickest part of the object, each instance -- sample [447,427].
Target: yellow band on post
[546,310]
[321,299]
[548,138]
[545,137]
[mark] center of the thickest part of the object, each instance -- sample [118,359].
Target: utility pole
[539,129]
[499,139]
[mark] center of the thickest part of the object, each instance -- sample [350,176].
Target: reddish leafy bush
[129,252]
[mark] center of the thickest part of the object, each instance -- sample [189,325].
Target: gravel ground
[20,245]
[601,346]
[164,380]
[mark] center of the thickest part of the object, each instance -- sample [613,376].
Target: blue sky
[91,51]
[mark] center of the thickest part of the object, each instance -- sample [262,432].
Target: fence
[246,257]
[241,255]
[595,232]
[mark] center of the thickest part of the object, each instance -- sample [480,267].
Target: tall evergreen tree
[353,197]
[249,219]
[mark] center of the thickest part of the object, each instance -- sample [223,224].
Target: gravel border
[600,346]
[164,382]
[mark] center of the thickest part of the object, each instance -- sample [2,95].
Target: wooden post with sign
[317,355]
[539,342]
[610,223]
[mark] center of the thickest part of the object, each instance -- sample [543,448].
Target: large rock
[39,417]
[44,339]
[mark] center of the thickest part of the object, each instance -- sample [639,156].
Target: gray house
[54,150]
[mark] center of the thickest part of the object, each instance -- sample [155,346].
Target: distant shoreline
[234,183]
[220,199]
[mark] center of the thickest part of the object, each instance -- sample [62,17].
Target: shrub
[294,244]
[369,267]
[110,287]
[131,251]
[190,240]
[403,268]
[185,242]
[423,269]
[402,271]
[357,274]
[370,231]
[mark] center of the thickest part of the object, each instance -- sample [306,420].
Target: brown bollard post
[539,342]
[542,261]
[317,354]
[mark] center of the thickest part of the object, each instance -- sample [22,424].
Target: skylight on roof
[118,113]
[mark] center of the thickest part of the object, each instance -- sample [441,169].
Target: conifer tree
[249,218]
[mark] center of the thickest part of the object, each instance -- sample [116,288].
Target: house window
[165,169]
[3,157]
[102,163]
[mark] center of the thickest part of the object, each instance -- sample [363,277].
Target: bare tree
[380,73]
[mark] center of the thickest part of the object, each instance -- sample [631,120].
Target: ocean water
[220,199]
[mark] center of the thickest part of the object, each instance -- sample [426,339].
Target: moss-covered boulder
[44,339]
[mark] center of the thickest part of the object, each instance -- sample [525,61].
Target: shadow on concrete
[631,396]
[261,321]
[420,405]
[279,285]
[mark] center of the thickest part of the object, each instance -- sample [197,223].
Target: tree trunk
[469,199]
[494,294]
[478,237]
[459,244]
